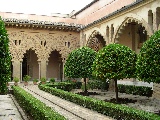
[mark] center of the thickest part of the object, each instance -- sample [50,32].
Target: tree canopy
[115,61]
[148,62]
[5,58]
[79,62]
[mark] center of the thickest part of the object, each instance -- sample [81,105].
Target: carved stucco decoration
[93,42]
[17,50]
[129,20]
[42,44]
[64,44]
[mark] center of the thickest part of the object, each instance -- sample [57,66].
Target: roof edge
[94,1]
[113,13]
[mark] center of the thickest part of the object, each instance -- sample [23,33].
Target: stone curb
[20,110]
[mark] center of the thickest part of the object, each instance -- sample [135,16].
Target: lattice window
[15,42]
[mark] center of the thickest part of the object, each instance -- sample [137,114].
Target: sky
[42,7]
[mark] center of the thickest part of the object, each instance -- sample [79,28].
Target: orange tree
[79,62]
[115,62]
[148,62]
[5,58]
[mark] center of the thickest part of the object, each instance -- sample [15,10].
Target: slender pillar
[43,68]
[63,63]
[39,67]
[133,37]
[21,71]
[59,72]
[155,27]
[16,69]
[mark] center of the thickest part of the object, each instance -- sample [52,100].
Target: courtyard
[98,62]
[70,110]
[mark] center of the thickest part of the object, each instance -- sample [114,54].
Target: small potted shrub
[43,80]
[52,80]
[16,80]
[26,78]
[35,81]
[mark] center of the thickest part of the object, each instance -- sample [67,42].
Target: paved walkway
[8,110]
[68,109]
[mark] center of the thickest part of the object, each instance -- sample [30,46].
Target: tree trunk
[85,87]
[116,90]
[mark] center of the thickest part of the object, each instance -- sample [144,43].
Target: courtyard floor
[8,108]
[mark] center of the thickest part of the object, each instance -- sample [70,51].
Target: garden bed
[115,111]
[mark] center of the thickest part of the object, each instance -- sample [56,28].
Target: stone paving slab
[8,110]
[81,111]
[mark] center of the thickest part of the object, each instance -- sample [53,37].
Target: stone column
[63,63]
[43,68]
[155,27]
[39,73]
[21,71]
[16,69]
[133,37]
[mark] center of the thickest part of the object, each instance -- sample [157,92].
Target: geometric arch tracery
[96,41]
[42,44]
[129,20]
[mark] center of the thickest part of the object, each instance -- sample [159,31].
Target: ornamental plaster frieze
[63,43]
[42,44]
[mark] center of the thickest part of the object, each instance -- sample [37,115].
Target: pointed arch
[19,44]
[129,20]
[96,40]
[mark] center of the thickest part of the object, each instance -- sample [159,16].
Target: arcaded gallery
[40,44]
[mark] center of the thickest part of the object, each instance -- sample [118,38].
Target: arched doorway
[133,35]
[30,65]
[55,66]
[96,42]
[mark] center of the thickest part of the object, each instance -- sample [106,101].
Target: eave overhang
[24,23]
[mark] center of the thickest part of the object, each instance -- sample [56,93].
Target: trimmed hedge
[135,90]
[115,111]
[66,86]
[34,107]
[98,84]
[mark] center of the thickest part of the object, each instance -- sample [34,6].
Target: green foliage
[114,61]
[76,84]
[79,62]
[148,63]
[115,111]
[34,107]
[43,79]
[135,90]
[26,78]
[83,87]
[35,80]
[5,59]
[62,85]
[15,79]
[97,84]
[52,80]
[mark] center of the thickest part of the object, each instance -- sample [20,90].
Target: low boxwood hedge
[135,90]
[97,84]
[115,111]
[66,86]
[34,107]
